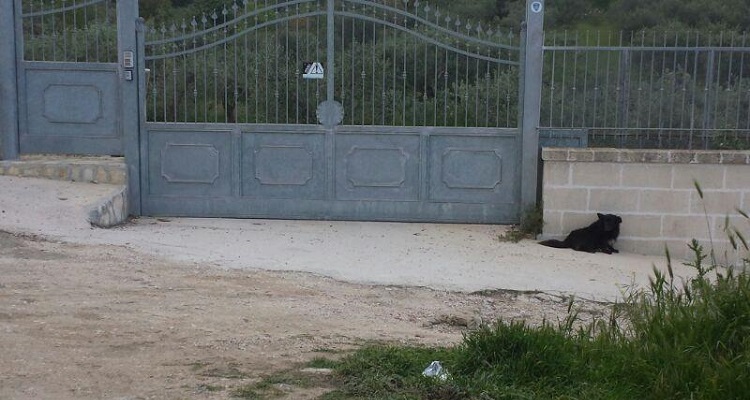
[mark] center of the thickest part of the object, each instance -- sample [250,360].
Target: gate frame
[131,37]
[9,21]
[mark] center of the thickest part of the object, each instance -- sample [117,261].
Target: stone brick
[681,156]
[118,176]
[735,221]
[87,174]
[554,154]
[596,174]
[640,226]
[565,199]
[607,155]
[585,155]
[708,157]
[715,202]
[552,223]
[683,226]
[738,177]
[557,173]
[647,175]
[734,158]
[575,220]
[613,200]
[655,156]
[708,176]
[665,201]
[641,246]
[101,175]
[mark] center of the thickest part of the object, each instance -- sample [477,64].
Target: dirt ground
[105,322]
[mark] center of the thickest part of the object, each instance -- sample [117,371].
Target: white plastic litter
[435,369]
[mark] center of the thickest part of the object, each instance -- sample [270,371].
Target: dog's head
[611,222]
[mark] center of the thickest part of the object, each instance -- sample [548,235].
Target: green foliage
[674,339]
[532,222]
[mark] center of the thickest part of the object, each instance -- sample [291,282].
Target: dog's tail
[558,244]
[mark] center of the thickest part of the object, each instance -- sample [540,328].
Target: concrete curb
[111,210]
[105,170]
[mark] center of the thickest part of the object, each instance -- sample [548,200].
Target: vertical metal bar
[11,48]
[435,97]
[416,101]
[740,80]
[346,97]
[552,86]
[623,85]
[531,89]
[383,77]
[574,88]
[707,89]
[363,73]
[372,73]
[597,88]
[694,89]
[562,84]
[403,85]
[74,33]
[584,92]
[129,29]
[296,65]
[393,78]
[330,75]
[287,76]
[276,78]
[86,33]
[354,59]
[64,36]
[256,71]
[607,86]
[728,87]
[331,51]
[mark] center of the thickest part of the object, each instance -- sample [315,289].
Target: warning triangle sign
[313,70]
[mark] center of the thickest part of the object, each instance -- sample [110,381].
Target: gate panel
[377,167]
[190,163]
[70,108]
[415,118]
[283,165]
[69,81]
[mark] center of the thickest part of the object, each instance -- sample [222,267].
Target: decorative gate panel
[68,78]
[331,109]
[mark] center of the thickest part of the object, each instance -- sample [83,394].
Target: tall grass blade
[698,188]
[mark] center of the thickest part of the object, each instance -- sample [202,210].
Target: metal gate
[303,109]
[66,78]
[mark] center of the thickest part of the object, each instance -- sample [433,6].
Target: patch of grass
[321,362]
[674,339]
[532,222]
[273,385]
[228,372]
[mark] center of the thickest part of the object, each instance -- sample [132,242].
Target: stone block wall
[654,192]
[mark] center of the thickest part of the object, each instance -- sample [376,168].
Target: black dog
[598,236]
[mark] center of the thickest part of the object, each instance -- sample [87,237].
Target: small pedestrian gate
[304,109]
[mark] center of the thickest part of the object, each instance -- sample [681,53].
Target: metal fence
[400,64]
[649,89]
[70,30]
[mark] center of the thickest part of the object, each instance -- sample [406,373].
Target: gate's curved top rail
[416,18]
[28,10]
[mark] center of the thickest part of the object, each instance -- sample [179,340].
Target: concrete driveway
[441,256]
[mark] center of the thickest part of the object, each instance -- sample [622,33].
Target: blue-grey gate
[332,109]
[65,81]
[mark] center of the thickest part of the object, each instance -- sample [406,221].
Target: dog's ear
[600,215]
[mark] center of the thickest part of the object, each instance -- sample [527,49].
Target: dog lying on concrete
[599,236]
